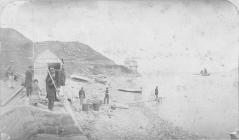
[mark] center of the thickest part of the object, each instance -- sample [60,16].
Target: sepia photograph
[119,69]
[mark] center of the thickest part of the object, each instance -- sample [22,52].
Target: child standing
[81,95]
[156,92]
[107,96]
[35,96]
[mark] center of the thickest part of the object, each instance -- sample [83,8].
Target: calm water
[202,105]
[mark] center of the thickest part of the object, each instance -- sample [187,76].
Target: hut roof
[47,57]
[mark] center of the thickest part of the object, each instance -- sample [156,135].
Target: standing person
[10,74]
[62,77]
[62,80]
[28,80]
[57,83]
[201,72]
[156,92]
[35,96]
[51,88]
[205,71]
[81,95]
[62,60]
[107,96]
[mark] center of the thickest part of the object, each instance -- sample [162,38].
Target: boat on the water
[234,135]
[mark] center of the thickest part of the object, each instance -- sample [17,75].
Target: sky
[164,35]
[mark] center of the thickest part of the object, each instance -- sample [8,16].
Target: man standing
[81,95]
[156,92]
[10,73]
[28,80]
[107,96]
[62,79]
[51,88]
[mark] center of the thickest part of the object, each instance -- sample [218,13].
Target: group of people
[55,81]
[32,88]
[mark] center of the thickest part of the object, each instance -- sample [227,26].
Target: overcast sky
[158,32]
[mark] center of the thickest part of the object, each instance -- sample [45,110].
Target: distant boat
[234,135]
[204,72]
[131,90]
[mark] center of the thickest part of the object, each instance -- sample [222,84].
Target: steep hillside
[73,51]
[79,58]
[14,46]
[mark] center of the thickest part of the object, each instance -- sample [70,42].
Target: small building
[131,64]
[41,64]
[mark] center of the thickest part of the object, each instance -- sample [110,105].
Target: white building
[41,64]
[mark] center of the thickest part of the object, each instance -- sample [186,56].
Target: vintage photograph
[119,69]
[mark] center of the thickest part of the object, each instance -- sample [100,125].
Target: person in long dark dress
[51,88]
[81,95]
[28,80]
[35,94]
[10,73]
[156,92]
[107,96]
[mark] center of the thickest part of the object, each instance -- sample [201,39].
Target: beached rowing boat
[80,78]
[131,90]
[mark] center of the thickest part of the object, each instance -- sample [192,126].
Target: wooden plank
[6,101]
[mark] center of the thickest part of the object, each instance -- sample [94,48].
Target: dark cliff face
[78,57]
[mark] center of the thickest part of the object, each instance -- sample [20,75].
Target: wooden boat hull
[130,90]
[80,78]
